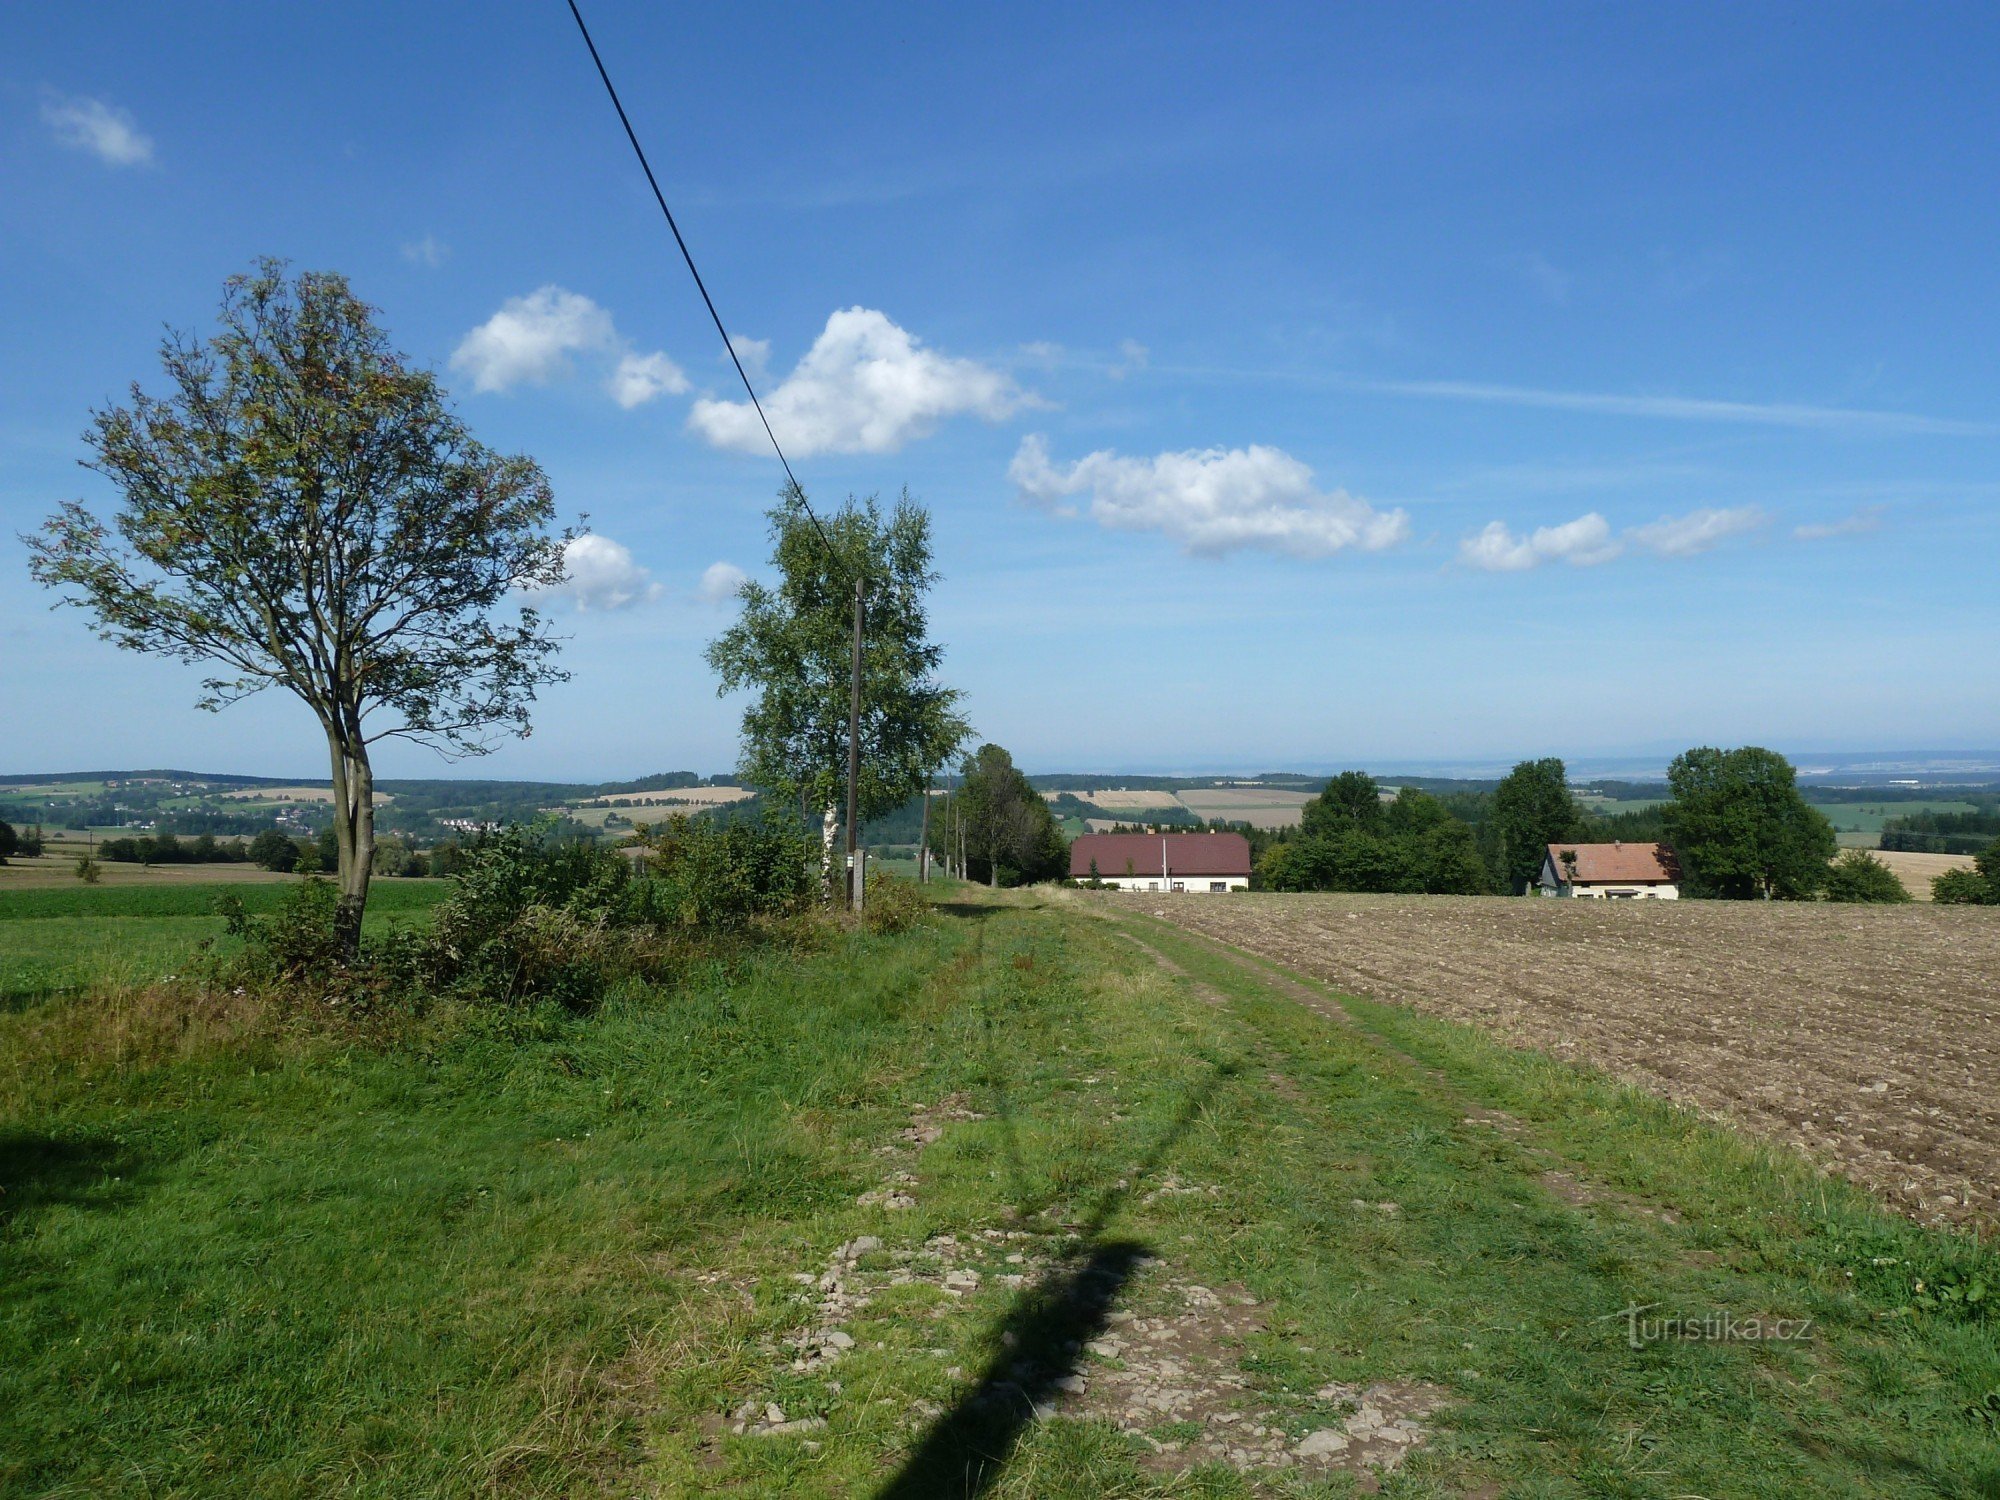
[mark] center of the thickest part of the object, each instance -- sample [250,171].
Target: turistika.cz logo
[1707,1328]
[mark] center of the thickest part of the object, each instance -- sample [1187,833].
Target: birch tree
[791,647]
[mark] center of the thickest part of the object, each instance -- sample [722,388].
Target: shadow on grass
[976,910]
[1041,1341]
[968,1447]
[41,1171]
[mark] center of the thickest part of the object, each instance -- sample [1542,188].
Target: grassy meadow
[251,1250]
[60,940]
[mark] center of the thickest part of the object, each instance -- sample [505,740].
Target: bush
[893,904]
[294,942]
[1858,876]
[1962,888]
[719,877]
[530,918]
[1979,886]
[88,870]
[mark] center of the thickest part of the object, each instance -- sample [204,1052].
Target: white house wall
[1200,885]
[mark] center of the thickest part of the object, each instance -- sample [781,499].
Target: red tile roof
[1187,854]
[1616,864]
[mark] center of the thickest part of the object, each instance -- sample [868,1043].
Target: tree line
[1735,819]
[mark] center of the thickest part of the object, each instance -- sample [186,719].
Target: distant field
[1917,871]
[1116,800]
[1259,806]
[680,796]
[57,941]
[1863,817]
[59,870]
[1262,807]
[276,795]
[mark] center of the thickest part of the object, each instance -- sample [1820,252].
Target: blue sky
[1291,387]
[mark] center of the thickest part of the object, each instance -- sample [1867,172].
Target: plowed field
[1870,1037]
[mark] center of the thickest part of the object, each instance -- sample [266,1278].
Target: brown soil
[1868,1036]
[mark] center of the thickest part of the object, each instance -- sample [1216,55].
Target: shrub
[1858,876]
[1961,888]
[893,904]
[719,877]
[1979,886]
[294,942]
[88,870]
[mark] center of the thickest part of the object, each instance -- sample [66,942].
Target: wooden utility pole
[854,878]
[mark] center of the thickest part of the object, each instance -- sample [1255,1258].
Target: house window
[1218,885]
[1180,885]
[1152,885]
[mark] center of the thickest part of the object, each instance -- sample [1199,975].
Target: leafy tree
[1532,808]
[1413,845]
[1859,876]
[1350,800]
[792,646]
[1741,828]
[1011,836]
[1979,886]
[302,509]
[10,841]
[274,851]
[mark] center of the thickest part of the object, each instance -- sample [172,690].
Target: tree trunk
[353,836]
[829,820]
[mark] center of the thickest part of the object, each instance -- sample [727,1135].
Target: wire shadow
[1042,1339]
[1041,1344]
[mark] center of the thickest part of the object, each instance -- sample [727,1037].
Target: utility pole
[854,875]
[924,839]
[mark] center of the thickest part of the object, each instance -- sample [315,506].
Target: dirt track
[1868,1036]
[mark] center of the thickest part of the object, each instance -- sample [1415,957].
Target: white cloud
[603,575]
[1588,540]
[1867,519]
[1679,408]
[1696,532]
[1582,543]
[531,338]
[530,341]
[753,354]
[106,132]
[1132,355]
[719,582]
[1212,501]
[429,251]
[639,378]
[865,386]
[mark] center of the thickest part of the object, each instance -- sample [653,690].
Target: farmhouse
[1202,862]
[1616,872]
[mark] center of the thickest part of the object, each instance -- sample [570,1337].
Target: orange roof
[1184,854]
[1616,864]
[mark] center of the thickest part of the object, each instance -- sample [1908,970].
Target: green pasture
[68,938]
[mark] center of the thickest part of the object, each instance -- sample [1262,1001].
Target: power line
[700,286]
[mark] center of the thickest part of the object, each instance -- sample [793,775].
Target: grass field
[58,940]
[1040,1200]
